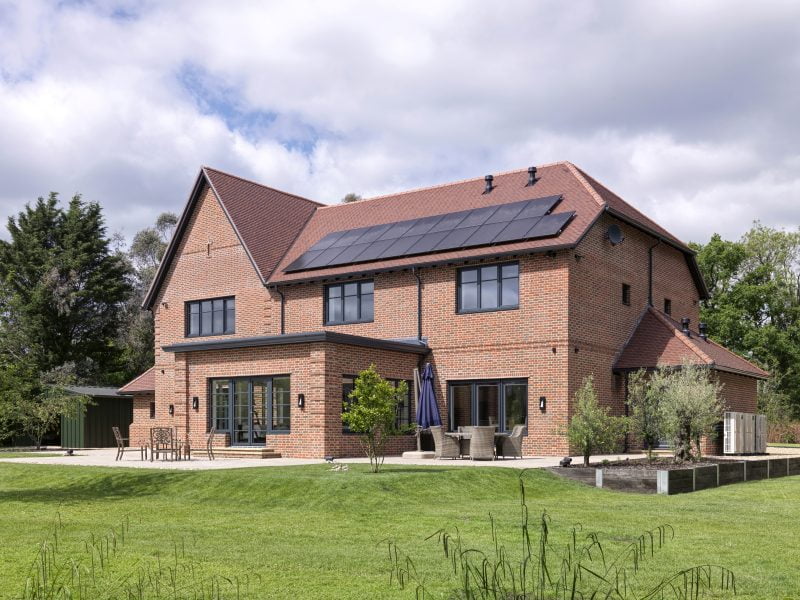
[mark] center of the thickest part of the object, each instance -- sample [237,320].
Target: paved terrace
[105,458]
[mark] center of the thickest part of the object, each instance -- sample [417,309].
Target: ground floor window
[249,408]
[502,403]
[405,408]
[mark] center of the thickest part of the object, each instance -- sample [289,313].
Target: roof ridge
[581,177]
[682,337]
[625,202]
[440,185]
[274,189]
[138,377]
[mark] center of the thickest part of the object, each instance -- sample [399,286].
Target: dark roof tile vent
[531,176]
[489,184]
[703,328]
[685,326]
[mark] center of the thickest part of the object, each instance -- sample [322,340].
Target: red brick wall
[570,323]
[599,323]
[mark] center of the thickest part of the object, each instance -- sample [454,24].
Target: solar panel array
[501,223]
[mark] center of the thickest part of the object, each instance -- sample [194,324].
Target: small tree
[592,429]
[39,413]
[373,413]
[643,398]
[690,406]
[351,197]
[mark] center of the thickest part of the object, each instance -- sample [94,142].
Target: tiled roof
[146,382]
[267,220]
[557,179]
[95,391]
[659,340]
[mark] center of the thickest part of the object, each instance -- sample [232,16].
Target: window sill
[332,323]
[487,310]
[208,335]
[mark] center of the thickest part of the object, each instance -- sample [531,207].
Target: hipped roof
[659,340]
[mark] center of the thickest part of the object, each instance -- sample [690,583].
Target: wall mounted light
[171,409]
[542,403]
[195,402]
[301,400]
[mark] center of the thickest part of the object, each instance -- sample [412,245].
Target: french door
[250,408]
[502,403]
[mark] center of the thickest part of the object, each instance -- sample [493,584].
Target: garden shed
[92,427]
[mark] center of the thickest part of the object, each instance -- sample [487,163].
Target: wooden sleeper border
[680,481]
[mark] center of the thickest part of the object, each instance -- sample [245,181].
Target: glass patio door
[250,408]
[258,411]
[241,413]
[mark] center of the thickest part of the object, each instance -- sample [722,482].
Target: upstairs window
[668,306]
[491,287]
[216,316]
[626,294]
[349,302]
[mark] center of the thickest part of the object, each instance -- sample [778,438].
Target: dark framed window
[626,294]
[152,410]
[215,316]
[249,408]
[489,287]
[405,408]
[351,302]
[668,306]
[502,403]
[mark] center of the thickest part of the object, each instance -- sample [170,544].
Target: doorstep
[418,454]
[246,452]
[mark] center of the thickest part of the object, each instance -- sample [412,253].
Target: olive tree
[592,429]
[690,406]
[372,412]
[644,391]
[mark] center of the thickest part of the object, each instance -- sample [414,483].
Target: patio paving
[105,458]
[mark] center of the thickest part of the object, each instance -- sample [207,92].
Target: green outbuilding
[92,427]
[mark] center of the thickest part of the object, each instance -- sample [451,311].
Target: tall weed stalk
[95,573]
[580,569]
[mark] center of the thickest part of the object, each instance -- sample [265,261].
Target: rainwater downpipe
[283,310]
[415,272]
[650,271]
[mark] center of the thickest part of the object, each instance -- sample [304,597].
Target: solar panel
[495,224]
[550,225]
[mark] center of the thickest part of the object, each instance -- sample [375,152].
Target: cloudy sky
[689,110]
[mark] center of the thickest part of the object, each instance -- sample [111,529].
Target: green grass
[782,445]
[311,533]
[30,454]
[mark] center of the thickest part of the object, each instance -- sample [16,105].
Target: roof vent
[489,184]
[703,330]
[531,176]
[685,326]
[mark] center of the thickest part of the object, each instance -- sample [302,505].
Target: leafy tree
[592,429]
[137,337]
[372,413]
[61,289]
[643,398]
[37,414]
[754,307]
[690,406]
[351,197]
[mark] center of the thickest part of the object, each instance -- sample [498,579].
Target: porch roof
[659,340]
[413,346]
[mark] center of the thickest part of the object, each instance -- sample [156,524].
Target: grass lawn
[311,533]
[782,445]
[29,454]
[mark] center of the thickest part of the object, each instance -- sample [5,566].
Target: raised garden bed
[665,477]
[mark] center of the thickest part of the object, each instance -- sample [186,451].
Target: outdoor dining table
[466,436]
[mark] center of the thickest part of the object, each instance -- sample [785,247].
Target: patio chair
[162,441]
[445,446]
[210,443]
[482,443]
[512,445]
[120,443]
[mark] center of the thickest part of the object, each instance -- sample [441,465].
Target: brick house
[514,287]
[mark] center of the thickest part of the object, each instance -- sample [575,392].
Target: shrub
[646,420]
[690,406]
[592,429]
[372,413]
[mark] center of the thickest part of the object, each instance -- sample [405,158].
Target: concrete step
[245,452]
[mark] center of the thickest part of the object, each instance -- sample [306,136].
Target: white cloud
[685,109]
